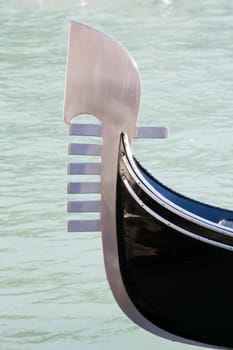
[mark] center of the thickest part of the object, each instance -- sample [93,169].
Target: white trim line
[153,193]
[168,223]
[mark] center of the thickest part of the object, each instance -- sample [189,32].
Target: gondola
[168,258]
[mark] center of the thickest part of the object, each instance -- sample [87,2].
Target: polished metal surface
[102,80]
[84,149]
[76,129]
[83,225]
[83,187]
[154,132]
[83,206]
[84,169]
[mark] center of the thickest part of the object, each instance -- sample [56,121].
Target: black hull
[175,257]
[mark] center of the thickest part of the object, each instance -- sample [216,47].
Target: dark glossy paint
[204,210]
[178,210]
[180,284]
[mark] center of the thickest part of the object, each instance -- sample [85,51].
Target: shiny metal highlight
[87,149]
[76,129]
[84,169]
[83,206]
[83,187]
[154,132]
[83,226]
[102,80]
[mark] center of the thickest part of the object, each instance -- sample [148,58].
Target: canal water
[53,290]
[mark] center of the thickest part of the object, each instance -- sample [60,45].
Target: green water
[53,291]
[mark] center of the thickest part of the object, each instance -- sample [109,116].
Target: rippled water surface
[53,291]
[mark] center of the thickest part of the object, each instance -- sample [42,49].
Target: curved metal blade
[102,78]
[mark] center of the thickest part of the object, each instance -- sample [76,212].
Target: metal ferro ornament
[168,258]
